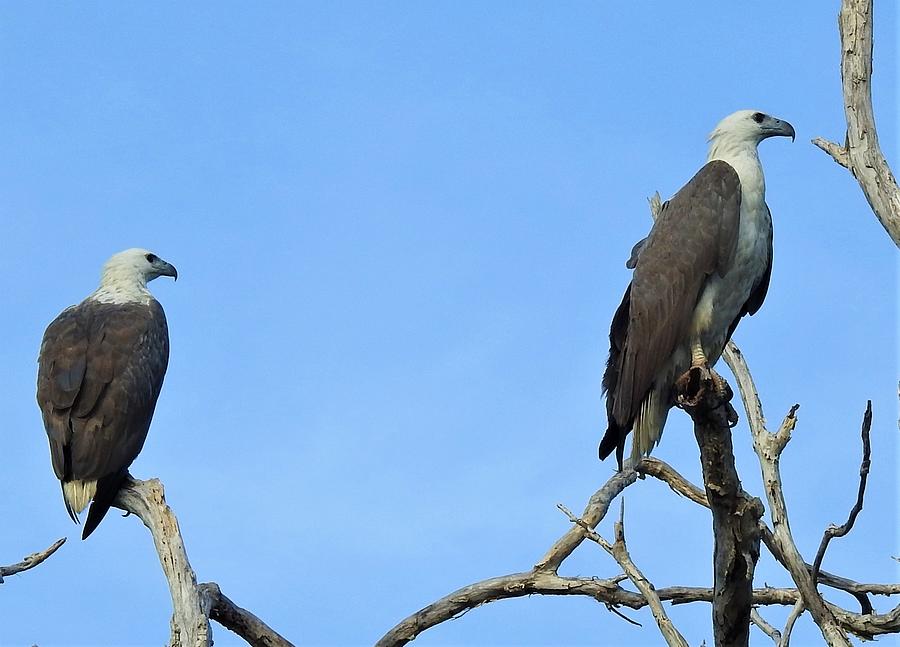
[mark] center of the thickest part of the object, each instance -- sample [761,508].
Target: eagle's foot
[698,382]
[693,385]
[699,385]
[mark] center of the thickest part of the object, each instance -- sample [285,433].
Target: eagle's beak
[167,269]
[780,128]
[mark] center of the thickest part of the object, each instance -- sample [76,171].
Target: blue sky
[400,230]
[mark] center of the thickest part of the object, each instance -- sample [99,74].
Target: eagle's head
[138,265]
[750,126]
[741,131]
[126,274]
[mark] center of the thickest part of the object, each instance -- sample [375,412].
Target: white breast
[725,296]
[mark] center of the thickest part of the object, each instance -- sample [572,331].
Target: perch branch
[735,516]
[30,561]
[862,154]
[192,605]
[841,531]
[190,620]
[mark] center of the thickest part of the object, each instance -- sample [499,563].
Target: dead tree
[736,515]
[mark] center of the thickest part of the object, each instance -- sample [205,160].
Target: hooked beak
[167,269]
[779,128]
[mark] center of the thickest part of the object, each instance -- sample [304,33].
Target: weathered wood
[31,560]
[193,605]
[768,448]
[147,500]
[861,153]
[245,624]
[735,517]
[619,551]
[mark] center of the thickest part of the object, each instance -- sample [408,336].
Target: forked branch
[192,605]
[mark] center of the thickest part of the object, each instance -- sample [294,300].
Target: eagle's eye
[758,117]
[151,258]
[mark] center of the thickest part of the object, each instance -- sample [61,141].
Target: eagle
[100,371]
[705,264]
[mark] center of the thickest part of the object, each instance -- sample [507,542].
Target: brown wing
[695,235]
[100,371]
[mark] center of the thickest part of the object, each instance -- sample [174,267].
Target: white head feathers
[740,132]
[126,274]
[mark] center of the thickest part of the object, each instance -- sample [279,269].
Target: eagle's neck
[122,285]
[744,159]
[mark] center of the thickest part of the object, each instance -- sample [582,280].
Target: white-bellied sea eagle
[705,264]
[100,371]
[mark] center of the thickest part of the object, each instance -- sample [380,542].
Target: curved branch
[862,153]
[31,561]
[841,531]
[596,509]
[245,624]
[768,448]
[516,585]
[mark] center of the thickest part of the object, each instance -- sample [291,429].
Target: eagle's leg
[700,377]
[696,382]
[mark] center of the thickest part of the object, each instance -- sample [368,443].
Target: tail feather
[107,489]
[614,438]
[648,425]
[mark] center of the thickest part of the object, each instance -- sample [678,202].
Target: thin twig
[841,531]
[31,560]
[619,551]
[595,510]
[795,613]
[661,470]
[764,626]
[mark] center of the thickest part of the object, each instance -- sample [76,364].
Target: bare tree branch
[594,511]
[190,620]
[619,552]
[192,605]
[795,613]
[735,516]
[768,448]
[838,153]
[661,470]
[862,153]
[841,531]
[544,581]
[245,624]
[764,626]
[30,561]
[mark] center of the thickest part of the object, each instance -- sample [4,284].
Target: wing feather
[694,236]
[100,373]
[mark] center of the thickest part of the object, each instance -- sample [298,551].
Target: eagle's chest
[723,297]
